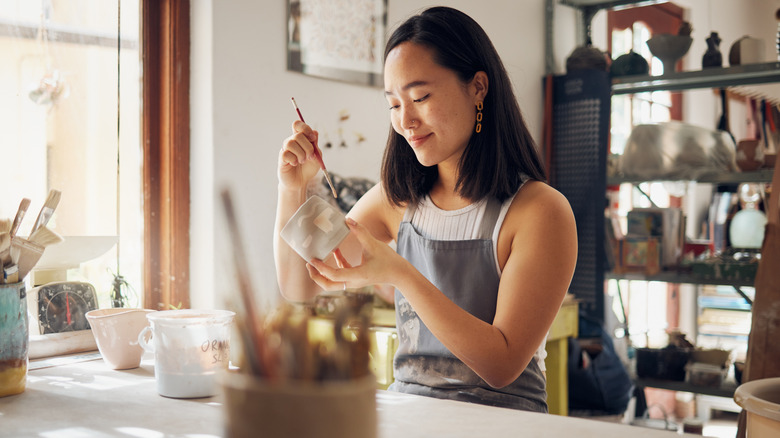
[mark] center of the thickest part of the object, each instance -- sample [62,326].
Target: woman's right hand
[297,161]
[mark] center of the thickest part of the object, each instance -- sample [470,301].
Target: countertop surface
[87,399]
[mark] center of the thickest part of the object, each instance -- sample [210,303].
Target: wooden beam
[166,144]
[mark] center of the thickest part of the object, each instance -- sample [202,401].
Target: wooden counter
[87,399]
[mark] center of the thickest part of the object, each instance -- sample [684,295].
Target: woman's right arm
[296,167]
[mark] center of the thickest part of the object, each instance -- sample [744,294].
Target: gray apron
[465,271]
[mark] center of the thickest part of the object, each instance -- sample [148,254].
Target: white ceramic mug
[116,335]
[190,347]
[316,229]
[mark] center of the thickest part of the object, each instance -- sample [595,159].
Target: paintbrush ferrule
[330,183]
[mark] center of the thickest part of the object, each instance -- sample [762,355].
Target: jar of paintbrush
[19,255]
[298,375]
[14,337]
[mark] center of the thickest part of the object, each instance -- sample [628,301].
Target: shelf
[762,175]
[725,390]
[735,303]
[675,277]
[747,74]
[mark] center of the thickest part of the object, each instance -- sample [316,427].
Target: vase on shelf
[746,230]
[669,49]
[712,57]
[750,155]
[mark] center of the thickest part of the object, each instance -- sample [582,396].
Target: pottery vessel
[116,335]
[712,57]
[750,155]
[669,49]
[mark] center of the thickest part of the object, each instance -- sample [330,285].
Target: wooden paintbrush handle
[47,210]
[23,206]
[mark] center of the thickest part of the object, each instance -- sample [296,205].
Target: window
[114,143]
[629,29]
[70,118]
[651,307]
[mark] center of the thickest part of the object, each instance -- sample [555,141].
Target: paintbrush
[11,274]
[254,341]
[47,210]
[5,249]
[5,242]
[44,236]
[317,152]
[25,255]
[23,206]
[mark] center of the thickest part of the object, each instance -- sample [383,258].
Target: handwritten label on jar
[220,350]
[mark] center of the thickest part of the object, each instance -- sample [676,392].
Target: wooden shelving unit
[750,74]
[762,175]
[725,390]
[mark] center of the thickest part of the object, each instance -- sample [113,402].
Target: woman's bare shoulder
[539,204]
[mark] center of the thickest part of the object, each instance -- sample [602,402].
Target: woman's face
[429,105]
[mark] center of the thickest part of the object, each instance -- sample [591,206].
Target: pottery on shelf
[631,63]
[669,49]
[587,57]
[746,50]
[750,155]
[712,57]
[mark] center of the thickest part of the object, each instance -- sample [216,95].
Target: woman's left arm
[540,250]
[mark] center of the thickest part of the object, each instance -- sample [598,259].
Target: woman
[485,249]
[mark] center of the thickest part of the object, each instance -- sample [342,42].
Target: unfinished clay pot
[750,155]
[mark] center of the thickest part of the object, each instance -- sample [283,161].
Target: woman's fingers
[300,145]
[362,234]
[341,261]
[372,270]
[322,280]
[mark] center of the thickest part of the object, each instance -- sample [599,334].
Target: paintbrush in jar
[25,254]
[254,338]
[20,212]
[317,152]
[7,235]
[47,210]
[44,236]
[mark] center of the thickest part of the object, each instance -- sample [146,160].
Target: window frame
[165,56]
[659,18]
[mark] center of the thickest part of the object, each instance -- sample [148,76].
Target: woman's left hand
[378,265]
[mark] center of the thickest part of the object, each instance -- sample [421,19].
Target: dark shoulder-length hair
[497,158]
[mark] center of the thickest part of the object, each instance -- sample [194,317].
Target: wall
[241,113]
[241,108]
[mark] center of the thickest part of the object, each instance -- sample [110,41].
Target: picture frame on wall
[337,39]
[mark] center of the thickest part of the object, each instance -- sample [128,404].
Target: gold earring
[479,117]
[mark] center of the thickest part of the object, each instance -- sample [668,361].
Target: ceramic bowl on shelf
[669,49]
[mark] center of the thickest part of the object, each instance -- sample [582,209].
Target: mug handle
[142,339]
